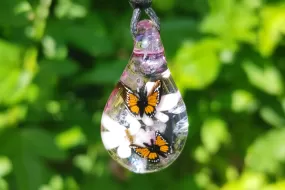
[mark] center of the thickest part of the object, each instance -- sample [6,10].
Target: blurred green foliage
[60,60]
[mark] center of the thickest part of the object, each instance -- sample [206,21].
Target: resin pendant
[144,126]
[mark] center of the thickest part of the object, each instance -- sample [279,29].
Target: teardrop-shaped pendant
[144,126]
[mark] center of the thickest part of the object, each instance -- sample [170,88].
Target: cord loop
[138,6]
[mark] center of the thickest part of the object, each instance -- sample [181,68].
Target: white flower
[167,102]
[118,135]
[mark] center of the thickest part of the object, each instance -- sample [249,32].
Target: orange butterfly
[151,152]
[140,103]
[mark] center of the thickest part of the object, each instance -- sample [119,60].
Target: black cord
[138,6]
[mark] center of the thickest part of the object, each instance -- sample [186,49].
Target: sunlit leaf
[83,162]
[12,116]
[272,28]
[5,166]
[276,186]
[53,49]
[214,133]
[69,9]
[231,173]
[70,138]
[17,73]
[267,153]
[3,184]
[56,182]
[232,21]
[202,155]
[272,117]
[243,101]
[202,178]
[189,65]
[70,183]
[248,180]
[266,78]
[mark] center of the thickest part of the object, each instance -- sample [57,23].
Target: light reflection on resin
[144,125]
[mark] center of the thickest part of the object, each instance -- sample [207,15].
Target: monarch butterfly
[141,103]
[151,152]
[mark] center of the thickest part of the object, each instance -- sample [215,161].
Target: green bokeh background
[60,60]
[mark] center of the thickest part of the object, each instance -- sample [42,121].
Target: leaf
[272,28]
[267,78]
[60,68]
[164,5]
[70,183]
[23,83]
[214,133]
[248,180]
[90,37]
[69,9]
[202,154]
[272,117]
[56,182]
[12,116]
[30,172]
[275,186]
[42,144]
[3,184]
[243,101]
[9,14]
[183,28]
[103,73]
[28,169]
[53,49]
[17,73]
[232,21]
[5,166]
[267,153]
[189,64]
[9,54]
[70,138]
[84,163]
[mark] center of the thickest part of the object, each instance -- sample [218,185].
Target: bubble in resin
[144,126]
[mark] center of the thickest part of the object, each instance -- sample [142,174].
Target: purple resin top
[147,39]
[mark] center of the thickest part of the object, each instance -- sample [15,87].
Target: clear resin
[144,126]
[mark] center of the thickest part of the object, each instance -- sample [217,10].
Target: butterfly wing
[153,99]
[153,157]
[132,101]
[162,143]
[141,151]
[144,152]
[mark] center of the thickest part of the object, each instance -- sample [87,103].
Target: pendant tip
[147,38]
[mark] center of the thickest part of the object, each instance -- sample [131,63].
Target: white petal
[166,74]
[124,151]
[168,101]
[161,117]
[158,126]
[149,86]
[111,140]
[134,124]
[147,120]
[111,124]
[143,137]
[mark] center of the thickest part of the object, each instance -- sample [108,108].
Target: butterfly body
[159,147]
[141,103]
